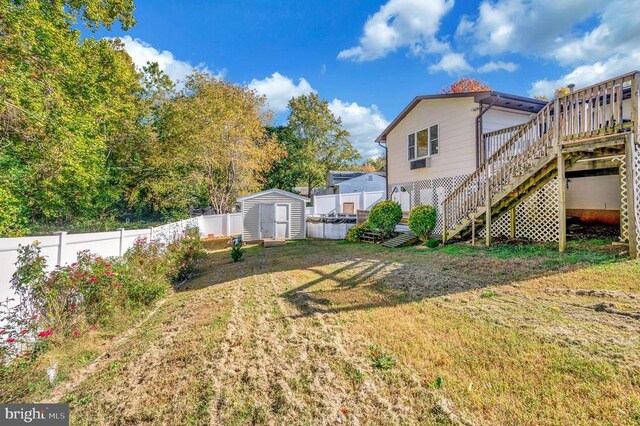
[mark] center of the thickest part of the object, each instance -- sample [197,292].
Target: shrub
[147,272]
[237,252]
[71,299]
[385,216]
[422,221]
[432,243]
[185,255]
[355,232]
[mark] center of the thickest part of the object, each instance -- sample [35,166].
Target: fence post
[339,203]
[315,204]
[151,234]
[121,247]
[363,198]
[228,220]
[62,245]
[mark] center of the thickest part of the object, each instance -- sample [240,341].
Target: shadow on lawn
[368,276]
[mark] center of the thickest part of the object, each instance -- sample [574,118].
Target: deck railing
[595,110]
[492,141]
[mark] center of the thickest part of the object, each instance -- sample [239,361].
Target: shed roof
[274,191]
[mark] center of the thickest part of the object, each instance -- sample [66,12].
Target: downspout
[479,144]
[386,169]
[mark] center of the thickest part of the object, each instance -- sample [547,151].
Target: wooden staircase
[405,238]
[589,123]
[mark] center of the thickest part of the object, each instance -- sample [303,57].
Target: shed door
[267,221]
[282,221]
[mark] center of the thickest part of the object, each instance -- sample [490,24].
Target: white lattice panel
[636,186]
[624,200]
[429,191]
[537,217]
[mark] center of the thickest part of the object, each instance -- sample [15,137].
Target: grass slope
[316,332]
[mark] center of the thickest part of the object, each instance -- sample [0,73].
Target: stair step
[404,238]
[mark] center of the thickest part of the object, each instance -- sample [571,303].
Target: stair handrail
[492,141]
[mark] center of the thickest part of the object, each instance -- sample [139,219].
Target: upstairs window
[433,140]
[412,146]
[423,143]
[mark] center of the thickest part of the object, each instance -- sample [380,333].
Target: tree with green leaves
[213,146]
[285,173]
[66,106]
[324,144]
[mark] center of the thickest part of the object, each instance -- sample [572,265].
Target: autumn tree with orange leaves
[466,85]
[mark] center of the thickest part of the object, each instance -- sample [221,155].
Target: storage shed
[273,214]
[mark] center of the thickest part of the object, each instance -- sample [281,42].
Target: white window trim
[415,139]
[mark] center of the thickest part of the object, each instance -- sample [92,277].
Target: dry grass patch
[320,332]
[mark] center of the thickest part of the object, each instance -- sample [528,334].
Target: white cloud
[279,89]
[363,123]
[525,26]
[498,66]
[142,52]
[586,75]
[452,63]
[400,23]
[611,36]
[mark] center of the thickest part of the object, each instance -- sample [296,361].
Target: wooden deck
[590,123]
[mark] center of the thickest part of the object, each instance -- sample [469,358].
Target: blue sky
[370,58]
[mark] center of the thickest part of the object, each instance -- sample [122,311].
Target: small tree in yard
[422,221]
[385,216]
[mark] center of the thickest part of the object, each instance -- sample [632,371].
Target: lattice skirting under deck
[636,186]
[624,201]
[537,217]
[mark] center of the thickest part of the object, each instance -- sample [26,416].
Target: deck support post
[631,194]
[512,214]
[562,180]
[444,223]
[562,202]
[487,202]
[473,229]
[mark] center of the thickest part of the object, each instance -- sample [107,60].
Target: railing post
[634,107]
[62,245]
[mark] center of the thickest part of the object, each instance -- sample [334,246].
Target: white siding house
[368,182]
[273,214]
[437,141]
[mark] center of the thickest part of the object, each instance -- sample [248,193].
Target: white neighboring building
[345,182]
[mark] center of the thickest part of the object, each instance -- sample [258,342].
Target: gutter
[479,146]
[386,168]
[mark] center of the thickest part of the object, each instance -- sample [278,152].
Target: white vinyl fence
[62,248]
[328,231]
[340,203]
